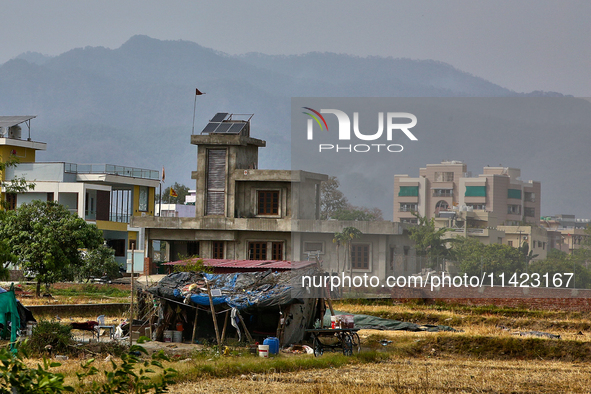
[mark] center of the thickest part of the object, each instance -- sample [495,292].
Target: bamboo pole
[215,322]
[245,329]
[194,326]
[131,303]
[225,326]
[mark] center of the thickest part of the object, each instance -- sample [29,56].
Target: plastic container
[348,321]
[334,322]
[168,336]
[179,326]
[177,336]
[264,351]
[273,343]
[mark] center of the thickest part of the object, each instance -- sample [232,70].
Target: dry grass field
[492,351]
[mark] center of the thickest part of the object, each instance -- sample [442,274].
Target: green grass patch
[514,348]
[223,367]
[90,290]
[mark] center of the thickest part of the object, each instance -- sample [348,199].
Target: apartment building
[449,185]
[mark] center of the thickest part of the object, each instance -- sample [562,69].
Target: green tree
[358,213]
[475,258]
[350,234]
[46,239]
[429,241]
[558,262]
[339,239]
[181,190]
[15,185]
[98,262]
[331,198]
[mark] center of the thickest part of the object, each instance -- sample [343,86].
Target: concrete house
[246,213]
[103,194]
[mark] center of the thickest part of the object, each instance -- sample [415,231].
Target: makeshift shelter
[24,314]
[255,304]
[9,316]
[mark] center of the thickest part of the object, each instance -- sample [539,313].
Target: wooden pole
[195,326]
[215,322]
[225,326]
[245,329]
[131,303]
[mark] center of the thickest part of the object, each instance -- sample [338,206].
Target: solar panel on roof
[219,117]
[236,128]
[224,127]
[210,128]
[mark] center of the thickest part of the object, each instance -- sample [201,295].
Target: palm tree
[339,239]
[350,233]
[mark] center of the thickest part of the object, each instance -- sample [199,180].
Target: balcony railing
[112,170]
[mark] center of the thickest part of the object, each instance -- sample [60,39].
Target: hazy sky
[522,45]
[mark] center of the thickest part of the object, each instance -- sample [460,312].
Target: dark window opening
[11,201]
[192,248]
[118,245]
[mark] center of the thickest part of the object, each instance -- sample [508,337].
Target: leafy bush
[127,378]
[193,264]
[18,378]
[59,336]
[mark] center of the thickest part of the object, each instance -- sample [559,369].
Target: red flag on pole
[198,93]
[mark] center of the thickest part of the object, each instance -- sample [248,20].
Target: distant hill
[134,105]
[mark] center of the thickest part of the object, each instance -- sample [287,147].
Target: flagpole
[197,93]
[194,108]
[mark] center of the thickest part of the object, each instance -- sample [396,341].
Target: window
[50,196]
[510,243]
[443,192]
[257,251]
[277,251]
[360,256]
[193,248]
[529,212]
[143,199]
[530,197]
[408,191]
[118,246]
[120,206]
[313,247]
[475,191]
[408,207]
[11,201]
[268,202]
[217,249]
[444,176]
[409,220]
[480,207]
[514,209]
[441,205]
[514,193]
